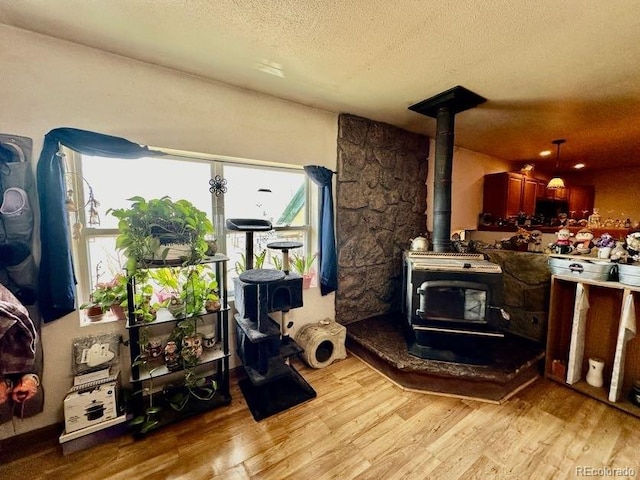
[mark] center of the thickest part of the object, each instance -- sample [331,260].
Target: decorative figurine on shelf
[191,349]
[535,241]
[561,220]
[595,220]
[633,246]
[171,356]
[605,245]
[619,254]
[563,243]
[584,241]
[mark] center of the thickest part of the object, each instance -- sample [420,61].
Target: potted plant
[258,261]
[106,296]
[161,231]
[302,264]
[144,310]
[188,341]
[169,281]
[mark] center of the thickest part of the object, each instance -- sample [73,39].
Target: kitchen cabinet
[557,193]
[592,319]
[544,193]
[507,194]
[581,199]
[155,380]
[541,189]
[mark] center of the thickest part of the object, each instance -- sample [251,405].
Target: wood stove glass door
[453,301]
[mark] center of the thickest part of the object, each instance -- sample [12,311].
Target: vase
[212,247]
[94,314]
[118,312]
[191,349]
[176,307]
[594,374]
[212,306]
[604,252]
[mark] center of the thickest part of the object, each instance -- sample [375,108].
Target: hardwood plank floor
[361,426]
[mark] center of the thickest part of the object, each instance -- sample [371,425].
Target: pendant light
[556,182]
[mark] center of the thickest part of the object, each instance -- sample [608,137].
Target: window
[276,193]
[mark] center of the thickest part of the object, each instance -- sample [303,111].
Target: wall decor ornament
[218,185]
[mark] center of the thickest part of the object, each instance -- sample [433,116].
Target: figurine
[584,241]
[563,243]
[595,220]
[535,241]
[633,246]
[619,254]
[171,358]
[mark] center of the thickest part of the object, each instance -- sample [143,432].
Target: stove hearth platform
[380,341]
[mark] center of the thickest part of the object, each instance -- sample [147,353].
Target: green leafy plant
[144,310]
[149,228]
[168,279]
[258,261]
[197,386]
[302,264]
[148,420]
[107,294]
[276,261]
[195,289]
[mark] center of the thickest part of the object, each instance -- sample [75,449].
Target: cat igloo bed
[323,343]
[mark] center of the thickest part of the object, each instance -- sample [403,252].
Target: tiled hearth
[379,341]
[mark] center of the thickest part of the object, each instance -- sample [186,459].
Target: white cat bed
[323,343]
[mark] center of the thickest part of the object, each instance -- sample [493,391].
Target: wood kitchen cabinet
[507,194]
[581,199]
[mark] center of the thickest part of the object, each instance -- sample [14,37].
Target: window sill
[107,317]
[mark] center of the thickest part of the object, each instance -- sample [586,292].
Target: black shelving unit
[213,363]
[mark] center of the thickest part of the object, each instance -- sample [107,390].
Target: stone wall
[381,204]
[527,283]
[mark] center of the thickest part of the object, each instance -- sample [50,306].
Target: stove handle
[503,313]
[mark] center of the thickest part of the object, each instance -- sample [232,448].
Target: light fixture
[556,182]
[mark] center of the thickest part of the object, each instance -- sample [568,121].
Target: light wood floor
[363,426]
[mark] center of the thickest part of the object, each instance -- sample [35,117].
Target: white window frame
[80,247]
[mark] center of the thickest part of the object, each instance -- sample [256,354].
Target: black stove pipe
[444,107]
[443,168]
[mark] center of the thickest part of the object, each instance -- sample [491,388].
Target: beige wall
[616,191]
[467,183]
[48,83]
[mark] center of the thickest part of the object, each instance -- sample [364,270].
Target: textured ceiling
[549,69]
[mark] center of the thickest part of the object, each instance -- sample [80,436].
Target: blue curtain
[56,281]
[322,177]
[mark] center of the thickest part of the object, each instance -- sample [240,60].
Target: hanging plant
[161,231]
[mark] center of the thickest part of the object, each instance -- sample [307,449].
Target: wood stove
[453,306]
